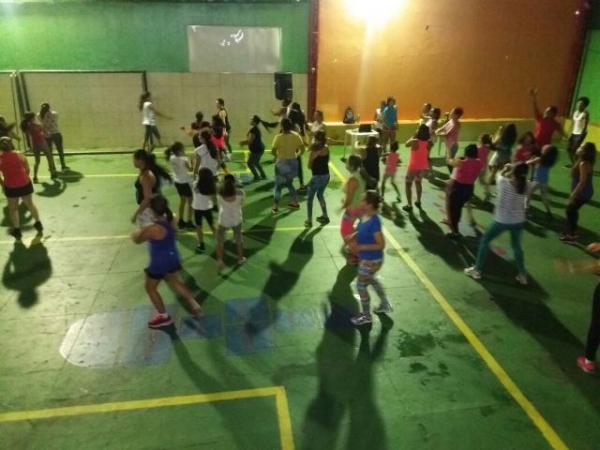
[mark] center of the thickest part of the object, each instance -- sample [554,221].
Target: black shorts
[183,189]
[200,214]
[156,275]
[18,192]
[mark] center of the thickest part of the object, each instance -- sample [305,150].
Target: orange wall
[483,55]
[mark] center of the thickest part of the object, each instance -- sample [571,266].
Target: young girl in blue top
[165,262]
[368,243]
[542,164]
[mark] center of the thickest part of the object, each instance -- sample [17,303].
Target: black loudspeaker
[283,86]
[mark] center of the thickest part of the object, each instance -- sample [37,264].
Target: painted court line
[281,406]
[543,426]
[128,236]
[121,175]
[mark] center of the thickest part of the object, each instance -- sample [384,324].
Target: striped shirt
[510,205]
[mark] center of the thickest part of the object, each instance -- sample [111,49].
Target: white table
[356,137]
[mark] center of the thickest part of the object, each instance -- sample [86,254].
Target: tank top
[13,170]
[164,251]
[467,171]
[257,145]
[358,192]
[320,165]
[139,190]
[148,114]
[418,158]
[579,122]
[588,190]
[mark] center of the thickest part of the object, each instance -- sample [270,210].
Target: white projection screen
[234,49]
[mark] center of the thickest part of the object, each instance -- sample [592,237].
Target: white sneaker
[384,308]
[361,319]
[522,280]
[473,273]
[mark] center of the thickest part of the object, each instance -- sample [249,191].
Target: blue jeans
[316,186]
[495,230]
[285,172]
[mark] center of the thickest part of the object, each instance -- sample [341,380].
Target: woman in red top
[16,185]
[38,144]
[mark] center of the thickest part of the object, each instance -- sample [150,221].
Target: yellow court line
[281,406]
[123,175]
[543,426]
[128,236]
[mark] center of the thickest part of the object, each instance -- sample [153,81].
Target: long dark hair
[286,125]
[508,137]
[355,164]
[520,174]
[549,155]
[423,133]
[150,162]
[228,188]
[44,109]
[206,182]
[28,117]
[218,126]
[373,198]
[212,148]
[257,120]
[143,98]
[160,206]
[176,149]
[588,153]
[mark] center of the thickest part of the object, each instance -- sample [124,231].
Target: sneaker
[568,238]
[54,174]
[190,225]
[308,224]
[293,206]
[522,280]
[275,209]
[361,319]
[16,233]
[38,227]
[241,261]
[200,248]
[473,273]
[399,199]
[181,224]
[407,208]
[35,180]
[418,205]
[302,190]
[384,308]
[323,220]
[65,168]
[585,365]
[160,320]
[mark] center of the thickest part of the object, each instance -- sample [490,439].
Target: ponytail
[150,161]
[212,148]
[160,206]
[174,149]
[265,124]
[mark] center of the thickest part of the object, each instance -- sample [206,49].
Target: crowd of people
[205,186]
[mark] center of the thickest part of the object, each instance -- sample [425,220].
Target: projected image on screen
[234,49]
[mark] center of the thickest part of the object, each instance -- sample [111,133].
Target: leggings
[254,165]
[150,132]
[366,277]
[543,188]
[300,173]
[593,339]
[57,140]
[493,231]
[458,195]
[347,226]
[316,187]
[573,214]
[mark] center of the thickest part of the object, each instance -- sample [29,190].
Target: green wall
[589,82]
[134,36]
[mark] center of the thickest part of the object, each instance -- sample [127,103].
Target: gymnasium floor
[275,364]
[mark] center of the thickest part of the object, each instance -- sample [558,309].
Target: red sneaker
[586,366]
[159,321]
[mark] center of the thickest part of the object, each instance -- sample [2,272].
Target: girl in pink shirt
[418,165]
[460,190]
[450,131]
[391,167]
[526,148]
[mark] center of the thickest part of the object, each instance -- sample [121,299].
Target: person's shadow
[26,269]
[56,186]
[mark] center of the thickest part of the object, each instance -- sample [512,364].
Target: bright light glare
[375,13]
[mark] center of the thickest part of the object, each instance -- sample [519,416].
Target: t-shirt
[13,170]
[483,153]
[450,131]
[148,117]
[179,165]
[418,158]
[510,205]
[523,153]
[206,160]
[286,145]
[320,165]
[542,174]
[201,202]
[544,129]
[379,122]
[390,116]
[579,119]
[391,163]
[257,145]
[230,212]
[365,235]
[467,171]
[50,123]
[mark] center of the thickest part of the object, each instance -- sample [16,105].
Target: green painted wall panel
[589,81]
[134,36]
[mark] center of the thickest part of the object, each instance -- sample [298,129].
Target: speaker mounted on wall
[283,86]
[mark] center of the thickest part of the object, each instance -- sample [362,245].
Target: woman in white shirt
[581,118]
[207,154]
[509,215]
[149,114]
[230,200]
[181,167]
[49,121]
